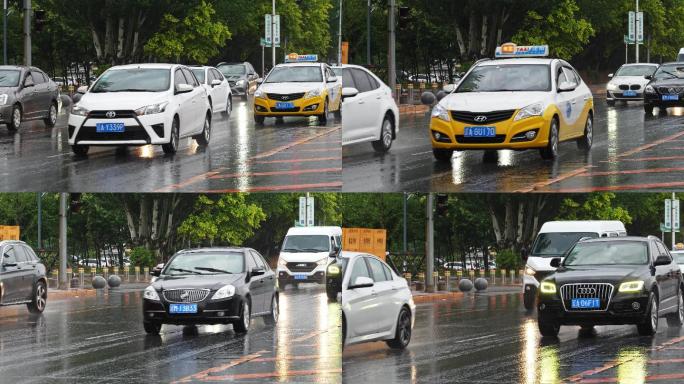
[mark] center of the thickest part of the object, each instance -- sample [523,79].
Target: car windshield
[678,256]
[233,69]
[556,244]
[670,71]
[133,80]
[199,73]
[306,243]
[511,77]
[295,74]
[608,253]
[9,77]
[205,263]
[636,70]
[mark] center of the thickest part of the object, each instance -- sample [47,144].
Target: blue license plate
[300,277]
[110,127]
[629,94]
[592,303]
[479,131]
[183,308]
[670,97]
[281,105]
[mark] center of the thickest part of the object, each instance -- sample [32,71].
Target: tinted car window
[374,83]
[37,77]
[361,80]
[30,254]
[20,254]
[199,73]
[377,269]
[662,250]
[205,263]
[257,259]
[10,255]
[359,270]
[347,79]
[179,77]
[191,79]
[251,263]
[217,74]
[556,244]
[388,273]
[261,260]
[9,77]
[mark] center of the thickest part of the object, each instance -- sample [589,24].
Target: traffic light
[442,204]
[39,20]
[75,202]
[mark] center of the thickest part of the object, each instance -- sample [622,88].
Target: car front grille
[117,114]
[601,291]
[295,109]
[231,83]
[498,139]
[285,97]
[186,295]
[481,118]
[301,267]
[633,87]
[670,90]
[132,133]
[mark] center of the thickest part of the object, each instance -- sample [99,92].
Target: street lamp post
[27,32]
[430,245]
[63,284]
[392,63]
[636,30]
[4,32]
[368,34]
[339,38]
[273,45]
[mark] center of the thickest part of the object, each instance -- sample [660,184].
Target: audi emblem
[110,114]
[672,91]
[480,119]
[586,291]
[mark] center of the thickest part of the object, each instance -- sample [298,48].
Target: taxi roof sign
[295,58]
[513,50]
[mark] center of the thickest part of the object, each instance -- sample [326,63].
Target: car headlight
[631,286]
[3,99]
[79,111]
[152,109]
[440,112]
[536,109]
[151,293]
[548,287]
[313,93]
[322,261]
[259,93]
[241,83]
[612,87]
[333,270]
[529,271]
[224,292]
[282,263]
[649,89]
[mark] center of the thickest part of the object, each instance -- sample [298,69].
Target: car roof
[6,242]
[212,249]
[19,67]
[305,64]
[352,254]
[524,61]
[314,231]
[582,226]
[622,238]
[637,64]
[146,65]
[673,63]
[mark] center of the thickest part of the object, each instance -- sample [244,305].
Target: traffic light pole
[430,245]
[63,283]
[391,53]
[368,33]
[636,30]
[4,32]
[273,45]
[27,32]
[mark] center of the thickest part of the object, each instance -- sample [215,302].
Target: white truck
[306,253]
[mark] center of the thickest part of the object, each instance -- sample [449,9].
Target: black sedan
[27,93]
[211,286]
[612,281]
[665,89]
[22,276]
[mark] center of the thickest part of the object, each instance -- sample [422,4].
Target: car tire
[39,299]
[51,118]
[648,109]
[229,107]
[442,155]
[204,138]
[242,326]
[259,120]
[80,150]
[323,118]
[550,152]
[548,327]
[585,142]
[15,119]
[172,146]
[152,327]
[402,336]
[677,319]
[386,131]
[530,298]
[282,283]
[611,103]
[649,326]
[272,317]
[331,293]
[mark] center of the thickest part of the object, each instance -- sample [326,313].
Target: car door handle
[362,102]
[586,98]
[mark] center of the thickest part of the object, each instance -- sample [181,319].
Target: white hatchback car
[218,89]
[377,304]
[370,113]
[141,104]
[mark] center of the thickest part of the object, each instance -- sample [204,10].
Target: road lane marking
[275,173]
[562,177]
[308,336]
[647,379]
[652,158]
[203,374]
[192,180]
[243,376]
[633,172]
[651,145]
[308,160]
[334,184]
[623,187]
[102,336]
[294,143]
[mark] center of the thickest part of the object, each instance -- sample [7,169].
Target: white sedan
[218,89]
[679,259]
[141,104]
[377,304]
[628,82]
[370,112]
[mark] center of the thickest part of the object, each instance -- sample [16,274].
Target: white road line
[101,336]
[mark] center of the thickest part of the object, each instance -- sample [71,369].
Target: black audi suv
[211,286]
[612,281]
[22,276]
[665,89]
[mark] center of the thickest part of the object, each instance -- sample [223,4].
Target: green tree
[596,206]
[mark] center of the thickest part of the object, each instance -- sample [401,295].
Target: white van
[305,254]
[680,56]
[553,240]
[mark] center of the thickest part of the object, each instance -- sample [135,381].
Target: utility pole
[63,283]
[27,32]
[273,45]
[368,33]
[404,249]
[339,38]
[430,245]
[4,32]
[391,52]
[40,219]
[672,220]
[636,30]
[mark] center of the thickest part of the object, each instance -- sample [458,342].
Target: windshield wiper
[131,90]
[213,270]
[184,270]
[313,250]
[291,250]
[671,74]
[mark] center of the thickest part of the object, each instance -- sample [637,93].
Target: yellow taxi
[520,100]
[300,87]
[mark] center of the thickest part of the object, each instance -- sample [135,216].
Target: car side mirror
[348,92]
[449,88]
[362,282]
[648,77]
[183,88]
[332,79]
[155,272]
[215,82]
[334,252]
[260,80]
[610,76]
[555,262]
[257,271]
[566,86]
[661,260]
[82,89]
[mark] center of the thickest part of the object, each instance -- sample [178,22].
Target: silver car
[27,93]
[628,82]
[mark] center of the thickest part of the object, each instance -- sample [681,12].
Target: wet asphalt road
[101,340]
[296,154]
[631,151]
[490,338]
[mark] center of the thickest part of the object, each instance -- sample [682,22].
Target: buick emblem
[586,291]
[184,295]
[480,119]
[110,114]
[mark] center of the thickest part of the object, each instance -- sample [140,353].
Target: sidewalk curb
[422,297]
[57,294]
[410,109]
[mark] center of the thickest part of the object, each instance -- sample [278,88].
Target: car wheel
[172,146]
[331,293]
[229,107]
[203,139]
[677,319]
[402,335]
[242,326]
[39,299]
[610,103]
[323,118]
[442,155]
[530,298]
[548,327]
[80,150]
[551,150]
[272,318]
[259,120]
[385,143]
[51,118]
[584,143]
[648,109]
[650,324]
[15,122]
[152,327]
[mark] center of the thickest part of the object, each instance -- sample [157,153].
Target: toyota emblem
[480,119]
[586,291]
[110,114]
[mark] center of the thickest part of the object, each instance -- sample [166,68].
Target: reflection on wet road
[100,339]
[489,338]
[291,155]
[631,151]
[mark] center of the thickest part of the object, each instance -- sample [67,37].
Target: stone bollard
[465,285]
[480,283]
[99,282]
[114,281]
